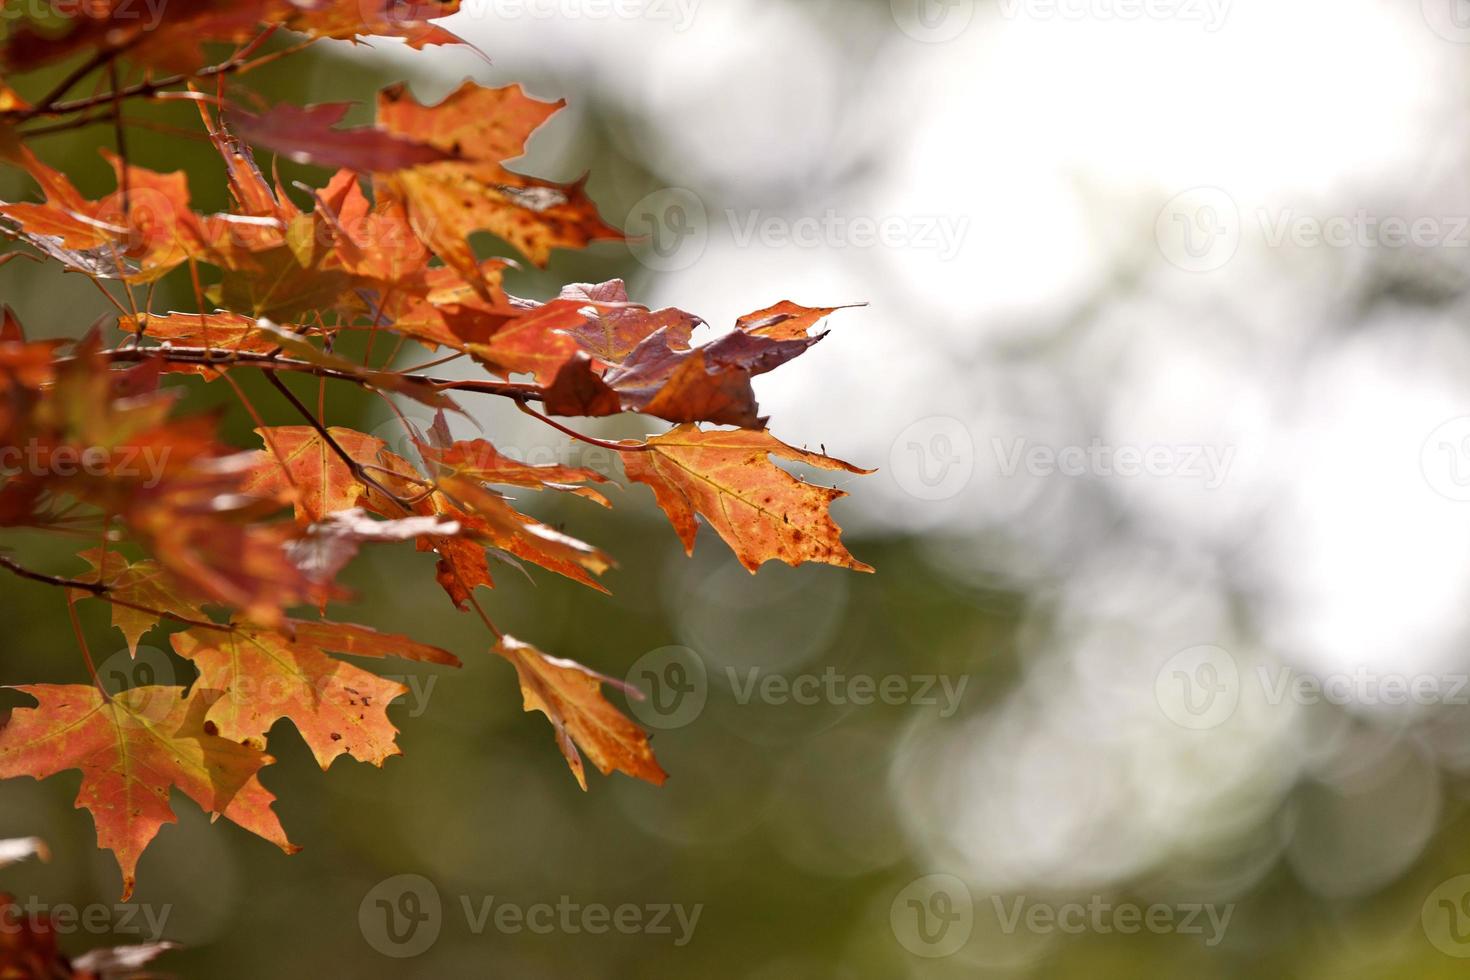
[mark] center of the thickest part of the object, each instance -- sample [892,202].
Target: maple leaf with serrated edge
[570,696]
[137,236]
[298,465]
[132,748]
[632,359]
[763,513]
[140,593]
[264,676]
[447,202]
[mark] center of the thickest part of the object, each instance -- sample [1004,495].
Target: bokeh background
[1165,371]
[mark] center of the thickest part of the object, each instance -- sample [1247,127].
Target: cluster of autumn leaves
[201,540]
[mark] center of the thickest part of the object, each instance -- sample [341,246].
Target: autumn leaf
[636,360]
[306,134]
[264,676]
[141,593]
[762,512]
[488,520]
[618,326]
[785,321]
[447,202]
[570,696]
[299,466]
[479,460]
[120,962]
[132,748]
[138,236]
[330,544]
[411,20]
[219,331]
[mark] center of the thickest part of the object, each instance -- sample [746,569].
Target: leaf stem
[76,626]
